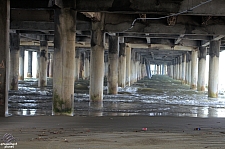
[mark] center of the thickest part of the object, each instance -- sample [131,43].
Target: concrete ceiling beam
[162,47]
[206,43]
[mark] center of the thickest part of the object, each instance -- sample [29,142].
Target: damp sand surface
[81,132]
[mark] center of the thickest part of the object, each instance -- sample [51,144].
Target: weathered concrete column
[163,69]
[184,59]
[51,66]
[213,83]
[87,66]
[106,65]
[30,57]
[82,59]
[113,65]
[158,69]
[122,66]
[14,60]
[143,68]
[180,67]
[194,69]
[21,64]
[4,56]
[77,65]
[187,68]
[64,57]
[42,82]
[97,62]
[128,63]
[132,67]
[147,68]
[190,68]
[201,68]
[171,70]
[175,69]
[38,64]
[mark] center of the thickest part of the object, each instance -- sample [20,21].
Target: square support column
[128,64]
[183,67]
[201,69]
[14,60]
[64,57]
[122,66]
[77,65]
[113,65]
[194,69]
[213,83]
[87,66]
[4,56]
[42,82]
[21,64]
[97,63]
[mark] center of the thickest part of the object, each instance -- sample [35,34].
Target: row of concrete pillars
[190,68]
[44,66]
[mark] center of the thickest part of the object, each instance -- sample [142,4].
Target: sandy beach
[61,132]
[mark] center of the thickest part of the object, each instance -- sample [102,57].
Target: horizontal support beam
[45,26]
[162,47]
[37,43]
[32,15]
[159,28]
[128,6]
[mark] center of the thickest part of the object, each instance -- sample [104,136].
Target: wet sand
[61,132]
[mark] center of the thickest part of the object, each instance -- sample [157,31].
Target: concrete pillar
[122,66]
[147,68]
[4,56]
[194,69]
[128,63]
[171,70]
[42,82]
[38,64]
[189,69]
[201,68]
[21,64]
[132,69]
[77,65]
[64,57]
[51,66]
[14,60]
[113,65]
[29,71]
[158,69]
[82,59]
[106,65]
[97,63]
[86,66]
[213,83]
[184,59]
[143,68]
[174,68]
[180,67]
[163,69]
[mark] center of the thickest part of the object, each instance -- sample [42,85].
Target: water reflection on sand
[160,96]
